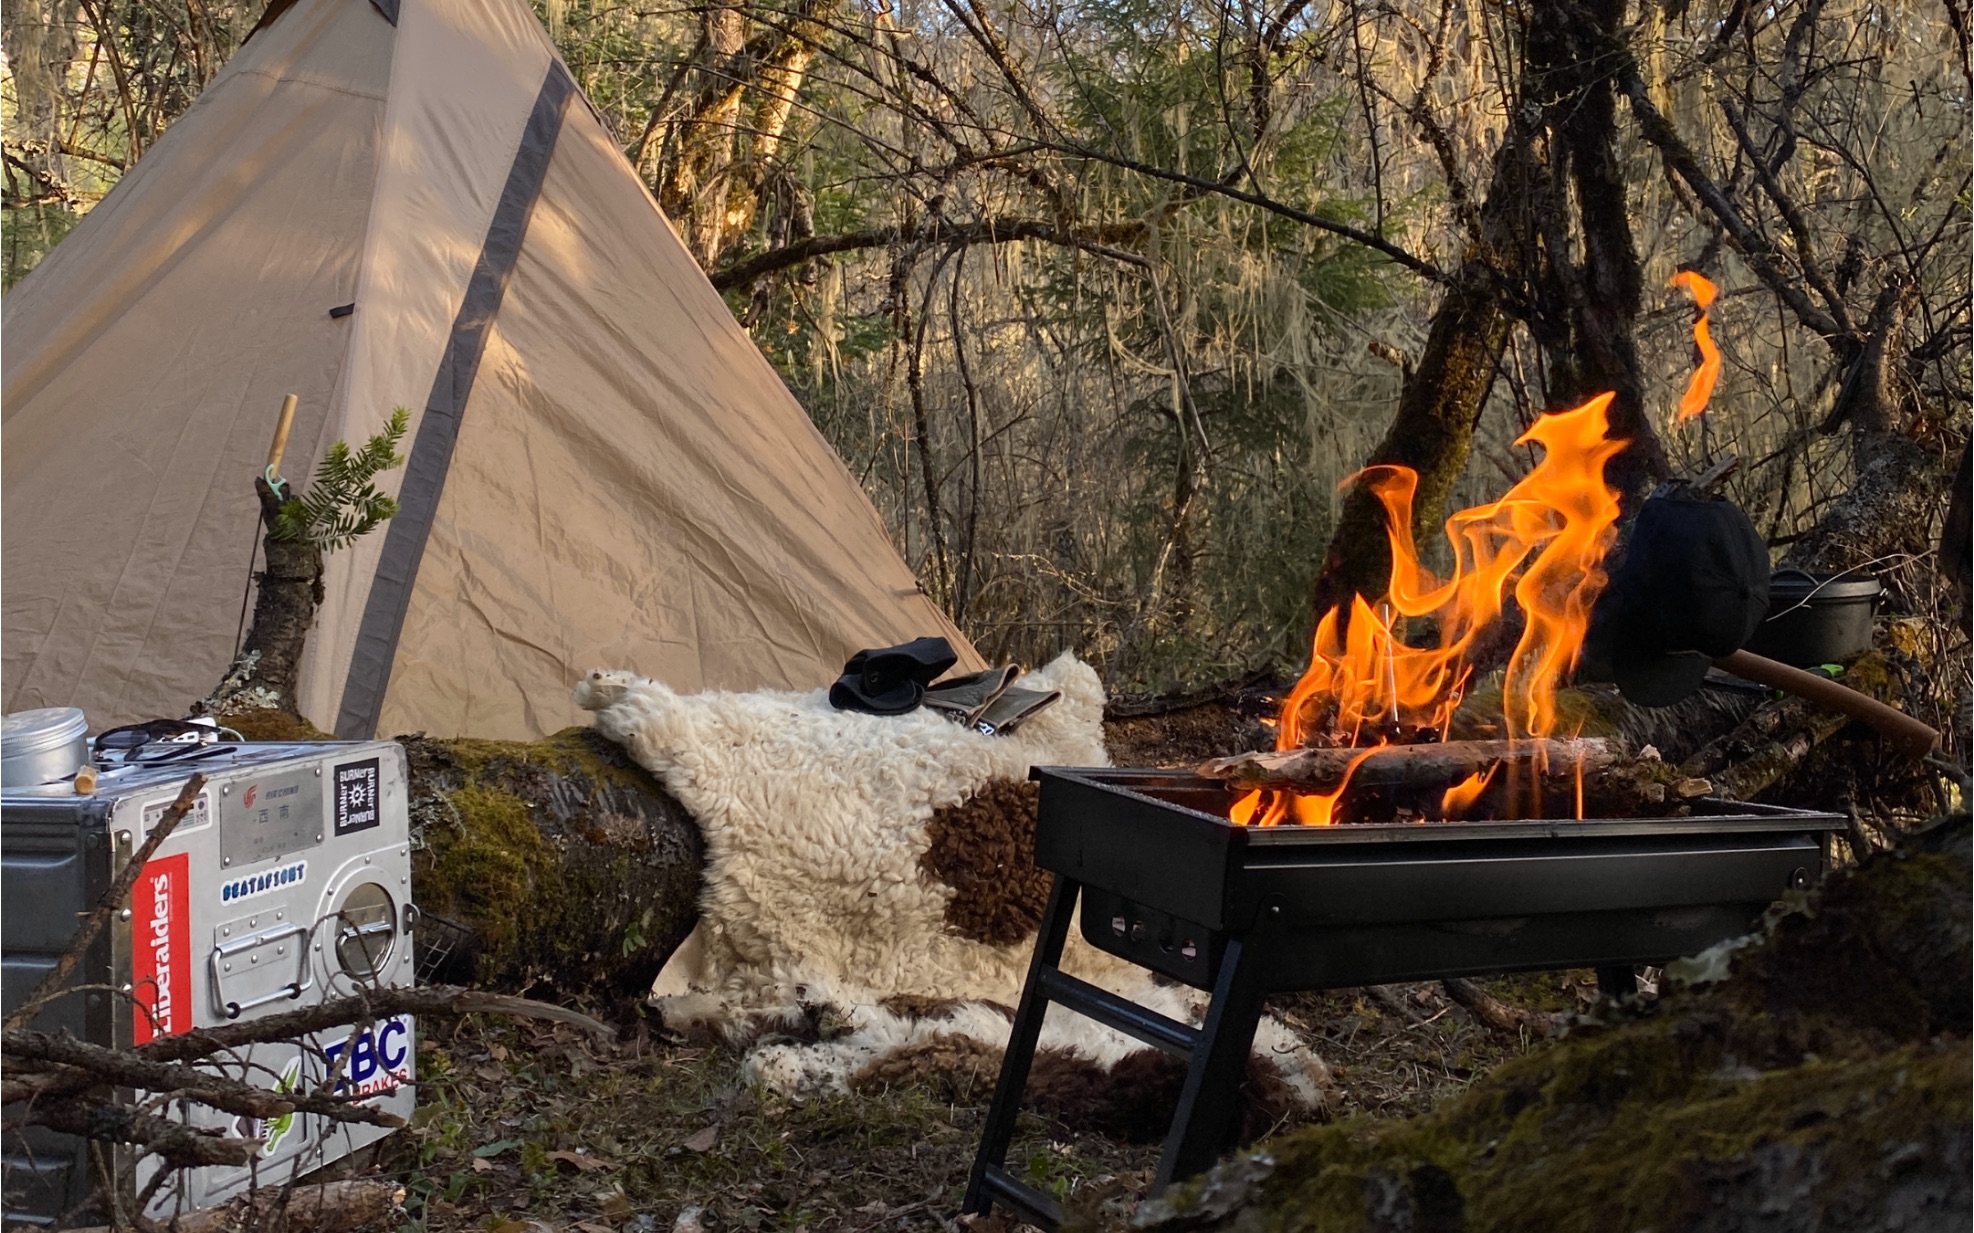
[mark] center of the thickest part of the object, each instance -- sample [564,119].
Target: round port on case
[366,931]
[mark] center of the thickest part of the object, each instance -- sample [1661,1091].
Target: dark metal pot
[1816,618]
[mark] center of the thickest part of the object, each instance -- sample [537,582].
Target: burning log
[1436,766]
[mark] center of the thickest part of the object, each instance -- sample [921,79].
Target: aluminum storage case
[288,884]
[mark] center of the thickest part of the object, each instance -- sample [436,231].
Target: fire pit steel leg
[1204,1125]
[1216,1054]
[989,1180]
[1617,982]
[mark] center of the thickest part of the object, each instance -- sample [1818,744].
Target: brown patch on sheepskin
[1133,1101]
[984,848]
[952,1068]
[921,1006]
[798,1023]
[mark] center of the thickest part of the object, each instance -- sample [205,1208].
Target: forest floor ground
[519,1123]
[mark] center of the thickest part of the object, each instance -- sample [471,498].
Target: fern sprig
[343,503]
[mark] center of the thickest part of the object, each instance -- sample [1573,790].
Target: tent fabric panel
[634,486]
[431,450]
[464,84]
[146,358]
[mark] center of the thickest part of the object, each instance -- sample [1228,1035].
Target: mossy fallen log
[569,867]
[1816,1077]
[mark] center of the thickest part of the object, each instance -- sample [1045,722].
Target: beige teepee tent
[385,203]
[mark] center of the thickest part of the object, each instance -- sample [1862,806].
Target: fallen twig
[82,1066]
[371,1004]
[1494,1013]
[63,1071]
[328,1207]
[179,1145]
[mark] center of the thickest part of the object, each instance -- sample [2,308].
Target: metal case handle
[294,989]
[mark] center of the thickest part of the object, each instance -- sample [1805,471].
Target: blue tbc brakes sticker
[379,1061]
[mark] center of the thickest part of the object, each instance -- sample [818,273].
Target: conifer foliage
[343,503]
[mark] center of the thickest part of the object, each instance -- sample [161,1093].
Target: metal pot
[1816,618]
[42,746]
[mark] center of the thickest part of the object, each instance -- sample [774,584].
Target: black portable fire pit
[1167,882]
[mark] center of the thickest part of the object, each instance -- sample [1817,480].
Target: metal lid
[1795,586]
[38,731]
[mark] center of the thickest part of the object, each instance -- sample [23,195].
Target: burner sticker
[357,805]
[261,883]
[161,949]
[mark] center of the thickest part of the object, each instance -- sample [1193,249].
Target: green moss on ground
[1823,1083]
[1631,1136]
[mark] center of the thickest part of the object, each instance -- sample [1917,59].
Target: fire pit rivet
[1799,879]
[1117,925]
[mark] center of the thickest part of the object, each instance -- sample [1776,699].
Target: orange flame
[1461,796]
[1701,387]
[1273,807]
[1546,536]
[1553,528]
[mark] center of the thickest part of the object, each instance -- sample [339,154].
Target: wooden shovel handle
[279,446]
[1906,734]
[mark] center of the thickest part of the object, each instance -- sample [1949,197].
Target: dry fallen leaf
[498,1053]
[690,1220]
[508,1226]
[482,1165]
[704,1140]
[585,1164]
[618,1208]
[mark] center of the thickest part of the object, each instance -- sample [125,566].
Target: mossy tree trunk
[1433,429]
[263,674]
[567,867]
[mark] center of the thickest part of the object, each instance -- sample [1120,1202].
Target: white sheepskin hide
[815,821]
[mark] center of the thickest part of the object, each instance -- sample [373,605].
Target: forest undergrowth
[519,1124]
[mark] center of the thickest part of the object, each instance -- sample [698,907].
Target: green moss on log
[571,866]
[271,724]
[489,866]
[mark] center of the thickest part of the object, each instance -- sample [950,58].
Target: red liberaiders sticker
[161,949]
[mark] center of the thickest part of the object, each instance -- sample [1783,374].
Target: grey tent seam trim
[389,8]
[405,534]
